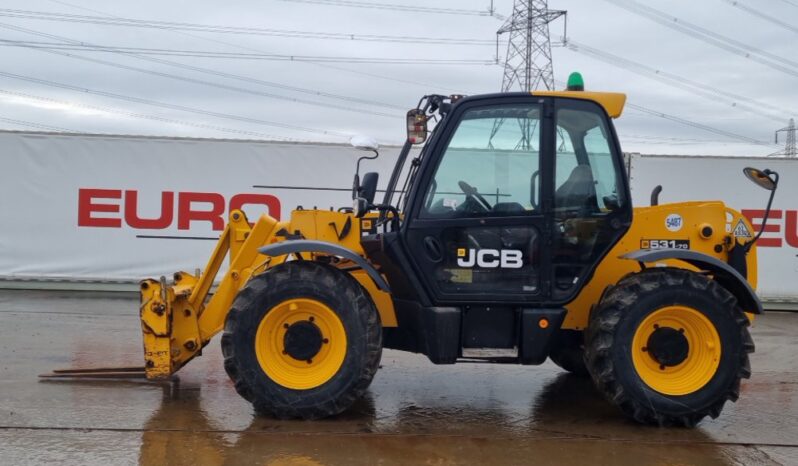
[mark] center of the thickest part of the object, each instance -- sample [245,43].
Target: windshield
[490,164]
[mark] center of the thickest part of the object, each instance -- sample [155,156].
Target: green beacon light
[575,82]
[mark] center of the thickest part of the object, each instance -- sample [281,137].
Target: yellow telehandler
[509,238]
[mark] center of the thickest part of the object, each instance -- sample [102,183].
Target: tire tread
[599,341]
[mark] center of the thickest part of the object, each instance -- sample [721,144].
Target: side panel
[669,225]
[699,177]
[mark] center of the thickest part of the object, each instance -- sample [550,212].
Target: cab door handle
[433,249]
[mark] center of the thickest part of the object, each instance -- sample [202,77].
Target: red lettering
[271,202]
[132,217]
[86,208]
[791,228]
[191,207]
[185,214]
[769,228]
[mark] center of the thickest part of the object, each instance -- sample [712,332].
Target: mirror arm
[767,209]
[356,182]
[366,157]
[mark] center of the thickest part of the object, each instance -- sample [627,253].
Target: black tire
[568,352]
[341,293]
[608,345]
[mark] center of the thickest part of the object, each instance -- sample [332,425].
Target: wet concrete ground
[414,413]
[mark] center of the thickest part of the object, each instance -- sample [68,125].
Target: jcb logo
[490,258]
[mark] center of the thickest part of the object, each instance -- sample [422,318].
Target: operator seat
[578,191]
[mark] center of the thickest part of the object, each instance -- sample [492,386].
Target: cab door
[477,226]
[591,204]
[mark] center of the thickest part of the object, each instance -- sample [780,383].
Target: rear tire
[694,349]
[302,340]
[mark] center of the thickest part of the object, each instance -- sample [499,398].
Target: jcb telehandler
[512,239]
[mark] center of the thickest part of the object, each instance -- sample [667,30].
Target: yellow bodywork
[612,102]
[179,318]
[649,223]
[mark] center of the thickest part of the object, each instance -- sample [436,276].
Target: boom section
[178,319]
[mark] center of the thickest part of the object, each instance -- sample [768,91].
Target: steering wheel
[472,192]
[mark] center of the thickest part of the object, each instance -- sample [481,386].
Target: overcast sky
[329,101]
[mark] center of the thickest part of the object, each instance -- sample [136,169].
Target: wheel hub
[303,340]
[676,350]
[668,346]
[301,343]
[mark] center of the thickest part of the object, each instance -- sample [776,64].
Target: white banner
[691,178]
[85,207]
[125,208]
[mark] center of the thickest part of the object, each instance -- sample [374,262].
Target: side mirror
[368,188]
[767,179]
[416,126]
[762,178]
[364,143]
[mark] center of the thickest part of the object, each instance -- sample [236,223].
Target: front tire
[302,340]
[669,347]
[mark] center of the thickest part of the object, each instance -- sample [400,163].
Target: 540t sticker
[665,244]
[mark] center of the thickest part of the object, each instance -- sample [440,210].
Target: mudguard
[723,272]
[306,245]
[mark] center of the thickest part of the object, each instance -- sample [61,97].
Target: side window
[490,166]
[587,191]
[587,179]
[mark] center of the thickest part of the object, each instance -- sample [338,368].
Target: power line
[384,6]
[665,139]
[239,30]
[157,118]
[181,108]
[258,81]
[31,124]
[208,83]
[759,14]
[790,2]
[730,45]
[427,86]
[696,125]
[709,92]
[211,72]
[245,56]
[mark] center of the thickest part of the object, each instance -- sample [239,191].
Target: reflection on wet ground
[414,412]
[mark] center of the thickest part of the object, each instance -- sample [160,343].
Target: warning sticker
[461,275]
[741,230]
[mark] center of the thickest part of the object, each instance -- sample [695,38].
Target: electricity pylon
[790,149]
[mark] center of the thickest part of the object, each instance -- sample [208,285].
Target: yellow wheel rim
[274,352]
[703,351]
